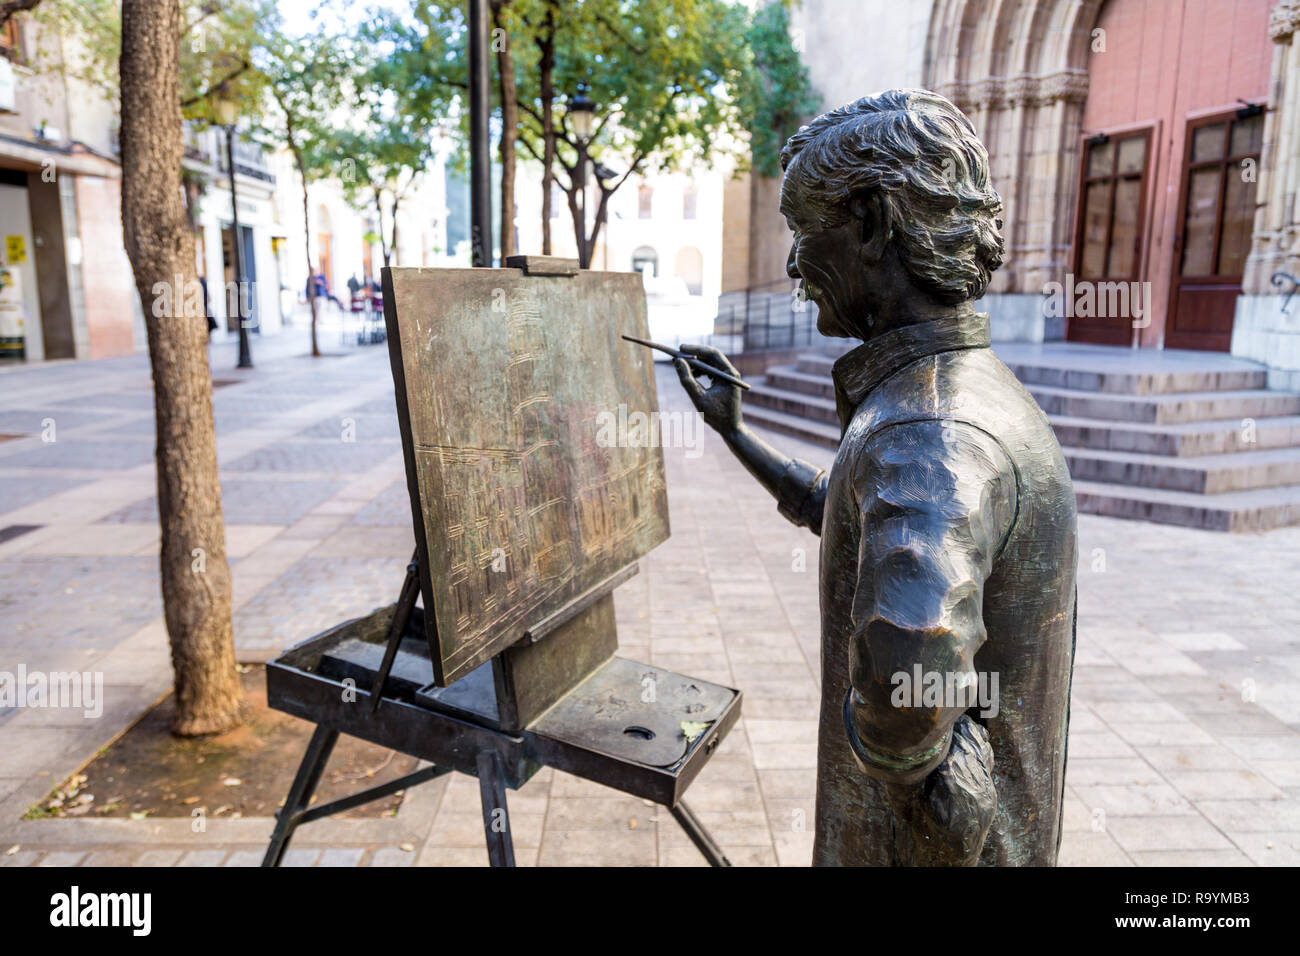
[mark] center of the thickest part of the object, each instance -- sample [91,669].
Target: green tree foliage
[217,40]
[779,97]
[402,94]
[675,82]
[305,78]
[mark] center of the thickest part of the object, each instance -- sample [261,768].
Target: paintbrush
[692,361]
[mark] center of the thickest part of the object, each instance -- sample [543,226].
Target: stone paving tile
[248,501]
[391,507]
[15,493]
[34,421]
[101,600]
[392,856]
[63,858]
[202,858]
[364,429]
[135,400]
[339,856]
[244,858]
[82,453]
[317,456]
[314,595]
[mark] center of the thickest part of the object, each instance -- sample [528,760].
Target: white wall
[667,231]
[853,48]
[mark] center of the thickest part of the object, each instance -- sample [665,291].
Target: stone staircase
[1186,438]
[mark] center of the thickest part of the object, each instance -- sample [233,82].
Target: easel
[554,695]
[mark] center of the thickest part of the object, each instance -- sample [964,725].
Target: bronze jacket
[949,542]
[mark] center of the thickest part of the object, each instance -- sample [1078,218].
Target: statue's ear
[877,227]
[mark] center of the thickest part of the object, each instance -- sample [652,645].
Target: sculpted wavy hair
[919,154]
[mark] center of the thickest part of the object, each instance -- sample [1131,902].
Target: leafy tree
[304,79]
[214,49]
[674,82]
[160,246]
[162,60]
[780,96]
[382,151]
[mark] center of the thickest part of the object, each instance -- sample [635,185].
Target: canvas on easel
[523,496]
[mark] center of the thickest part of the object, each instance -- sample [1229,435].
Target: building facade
[1147,153]
[667,226]
[60,215]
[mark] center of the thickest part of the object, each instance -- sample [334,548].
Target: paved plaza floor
[1185,724]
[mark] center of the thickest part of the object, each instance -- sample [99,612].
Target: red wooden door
[1108,237]
[1218,213]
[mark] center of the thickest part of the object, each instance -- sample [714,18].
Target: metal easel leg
[699,836]
[304,785]
[496,815]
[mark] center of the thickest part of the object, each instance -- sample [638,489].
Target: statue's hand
[959,794]
[720,402]
[947,816]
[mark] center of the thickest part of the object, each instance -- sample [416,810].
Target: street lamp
[226,109]
[581,114]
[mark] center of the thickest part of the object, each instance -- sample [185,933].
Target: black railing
[770,316]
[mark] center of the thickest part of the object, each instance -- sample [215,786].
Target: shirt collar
[858,372]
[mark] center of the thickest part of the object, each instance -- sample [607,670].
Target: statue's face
[829,261]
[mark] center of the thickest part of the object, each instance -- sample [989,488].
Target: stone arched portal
[1019,70]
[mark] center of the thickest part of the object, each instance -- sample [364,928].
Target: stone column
[1260,329]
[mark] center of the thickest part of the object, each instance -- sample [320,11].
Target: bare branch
[244,67]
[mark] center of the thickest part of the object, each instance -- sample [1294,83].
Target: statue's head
[892,212]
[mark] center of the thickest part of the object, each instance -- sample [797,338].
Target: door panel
[1108,243]
[1218,211]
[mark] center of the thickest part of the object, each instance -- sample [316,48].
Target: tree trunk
[195,575]
[509,124]
[397,259]
[546,70]
[383,243]
[311,273]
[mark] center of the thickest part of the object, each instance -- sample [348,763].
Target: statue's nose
[791,269]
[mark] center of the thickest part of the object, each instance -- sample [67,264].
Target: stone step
[796,426]
[1107,374]
[789,377]
[814,363]
[1257,510]
[792,403]
[1166,409]
[1206,474]
[1123,382]
[1186,439]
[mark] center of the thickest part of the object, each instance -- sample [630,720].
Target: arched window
[689,267]
[690,200]
[645,199]
[646,261]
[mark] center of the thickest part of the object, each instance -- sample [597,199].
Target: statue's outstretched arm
[799,488]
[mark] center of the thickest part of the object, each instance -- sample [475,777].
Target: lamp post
[581,113]
[480,157]
[227,112]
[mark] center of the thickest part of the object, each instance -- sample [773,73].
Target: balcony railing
[770,317]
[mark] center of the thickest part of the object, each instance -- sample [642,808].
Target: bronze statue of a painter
[947,520]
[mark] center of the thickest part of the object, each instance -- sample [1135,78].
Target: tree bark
[397,259]
[509,124]
[383,242]
[311,273]
[195,574]
[546,71]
